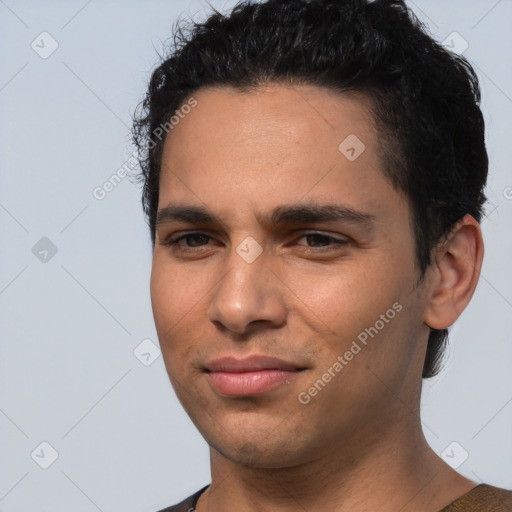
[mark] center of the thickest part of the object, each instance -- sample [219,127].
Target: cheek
[180,301]
[163,290]
[174,295]
[345,298]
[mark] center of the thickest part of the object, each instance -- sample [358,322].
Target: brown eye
[322,241]
[192,239]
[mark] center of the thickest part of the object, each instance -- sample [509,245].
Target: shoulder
[483,497]
[187,505]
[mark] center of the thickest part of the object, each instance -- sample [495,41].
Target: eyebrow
[308,213]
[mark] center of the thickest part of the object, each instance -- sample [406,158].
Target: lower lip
[249,383]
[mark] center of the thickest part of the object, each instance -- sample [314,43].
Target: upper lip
[249,364]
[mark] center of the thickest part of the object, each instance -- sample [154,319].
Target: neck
[387,470]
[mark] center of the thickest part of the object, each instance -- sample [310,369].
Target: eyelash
[174,242]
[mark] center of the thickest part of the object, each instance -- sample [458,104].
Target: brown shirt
[483,498]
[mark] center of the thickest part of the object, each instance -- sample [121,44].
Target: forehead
[274,145]
[311,116]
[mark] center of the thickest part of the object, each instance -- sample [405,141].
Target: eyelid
[335,242]
[172,239]
[335,237]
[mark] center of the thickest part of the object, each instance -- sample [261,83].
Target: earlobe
[457,261]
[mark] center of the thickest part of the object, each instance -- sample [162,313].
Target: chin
[270,449]
[254,455]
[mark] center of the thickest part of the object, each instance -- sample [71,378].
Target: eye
[326,242]
[196,239]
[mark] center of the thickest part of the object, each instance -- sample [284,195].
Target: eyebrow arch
[304,213]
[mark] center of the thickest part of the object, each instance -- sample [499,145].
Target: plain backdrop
[83,388]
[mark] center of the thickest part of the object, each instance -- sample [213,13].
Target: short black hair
[425,99]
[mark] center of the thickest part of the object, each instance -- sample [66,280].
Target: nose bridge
[243,295]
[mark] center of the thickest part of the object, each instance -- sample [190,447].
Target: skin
[241,154]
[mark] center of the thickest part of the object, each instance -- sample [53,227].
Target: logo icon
[44,45]
[44,250]
[351,147]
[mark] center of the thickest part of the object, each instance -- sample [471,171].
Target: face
[286,307]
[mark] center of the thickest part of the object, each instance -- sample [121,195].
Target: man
[311,250]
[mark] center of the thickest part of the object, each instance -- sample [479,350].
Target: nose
[249,293]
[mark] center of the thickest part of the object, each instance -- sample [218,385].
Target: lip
[249,364]
[249,376]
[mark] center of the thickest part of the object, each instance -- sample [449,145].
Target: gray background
[71,321]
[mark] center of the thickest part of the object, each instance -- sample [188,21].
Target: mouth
[250,376]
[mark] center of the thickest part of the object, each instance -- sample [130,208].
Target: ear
[455,274]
